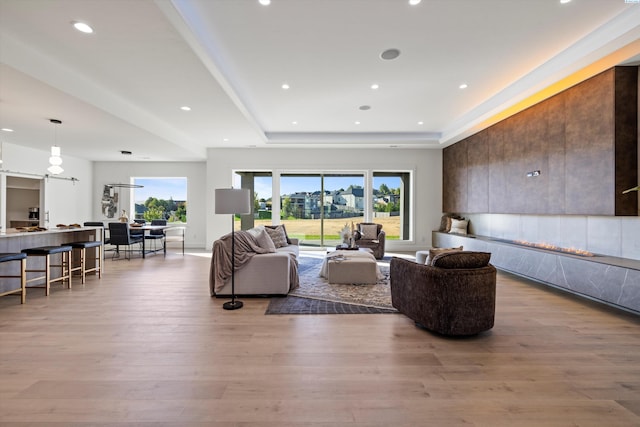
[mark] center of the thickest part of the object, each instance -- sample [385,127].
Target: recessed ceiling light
[82,27]
[357,123]
[265,2]
[285,86]
[414,2]
[7,130]
[185,108]
[294,123]
[390,54]
[364,107]
[420,123]
[225,139]
[463,86]
[375,86]
[564,1]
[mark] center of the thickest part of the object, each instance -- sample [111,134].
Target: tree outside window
[161,198]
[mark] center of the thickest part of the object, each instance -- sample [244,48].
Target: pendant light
[55,160]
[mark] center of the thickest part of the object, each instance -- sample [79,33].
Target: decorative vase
[123,216]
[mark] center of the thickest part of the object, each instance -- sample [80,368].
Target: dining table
[146,229]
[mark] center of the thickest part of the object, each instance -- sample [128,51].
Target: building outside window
[315,206]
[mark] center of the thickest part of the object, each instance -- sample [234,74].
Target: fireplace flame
[555,248]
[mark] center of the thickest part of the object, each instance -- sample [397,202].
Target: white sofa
[264,275]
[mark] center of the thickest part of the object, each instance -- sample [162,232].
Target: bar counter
[14,241]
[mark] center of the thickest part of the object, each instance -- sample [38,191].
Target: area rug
[316,295]
[297,305]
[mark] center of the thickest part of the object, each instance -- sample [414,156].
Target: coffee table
[351,266]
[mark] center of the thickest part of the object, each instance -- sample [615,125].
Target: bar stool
[47,252]
[7,257]
[82,268]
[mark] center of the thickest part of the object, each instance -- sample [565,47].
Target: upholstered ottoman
[352,270]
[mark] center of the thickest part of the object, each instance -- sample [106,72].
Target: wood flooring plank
[147,346]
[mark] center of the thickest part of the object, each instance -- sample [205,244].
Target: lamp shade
[233,201]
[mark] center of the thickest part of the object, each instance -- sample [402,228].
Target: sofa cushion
[277,234]
[262,238]
[433,252]
[461,259]
[290,249]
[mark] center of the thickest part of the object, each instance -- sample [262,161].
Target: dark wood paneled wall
[584,142]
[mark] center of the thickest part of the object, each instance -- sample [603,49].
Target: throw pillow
[369,231]
[459,226]
[433,252]
[462,260]
[278,235]
[262,238]
[445,221]
[280,226]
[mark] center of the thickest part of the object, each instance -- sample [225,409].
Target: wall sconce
[55,160]
[532,174]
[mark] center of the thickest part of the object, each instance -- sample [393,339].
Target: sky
[161,188]
[309,184]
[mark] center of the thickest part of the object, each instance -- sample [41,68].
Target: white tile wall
[604,234]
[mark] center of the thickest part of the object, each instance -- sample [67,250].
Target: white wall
[122,172]
[67,202]
[426,165]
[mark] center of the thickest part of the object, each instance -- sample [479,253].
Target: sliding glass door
[315,207]
[344,205]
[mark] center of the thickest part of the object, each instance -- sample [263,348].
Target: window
[391,202]
[259,183]
[160,198]
[315,206]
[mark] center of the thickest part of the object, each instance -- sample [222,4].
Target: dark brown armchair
[370,235]
[456,295]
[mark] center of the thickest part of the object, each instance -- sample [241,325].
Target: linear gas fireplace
[547,247]
[615,281]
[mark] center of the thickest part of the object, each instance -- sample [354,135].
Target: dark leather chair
[375,243]
[157,235]
[120,235]
[455,295]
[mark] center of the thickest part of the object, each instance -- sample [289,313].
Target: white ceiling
[121,88]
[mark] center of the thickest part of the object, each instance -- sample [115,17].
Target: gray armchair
[372,236]
[456,295]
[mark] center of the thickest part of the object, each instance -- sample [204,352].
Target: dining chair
[157,235]
[120,235]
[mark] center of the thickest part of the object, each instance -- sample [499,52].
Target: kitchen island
[14,241]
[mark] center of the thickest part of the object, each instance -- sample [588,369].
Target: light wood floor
[147,346]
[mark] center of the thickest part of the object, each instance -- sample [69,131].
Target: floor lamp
[233,201]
